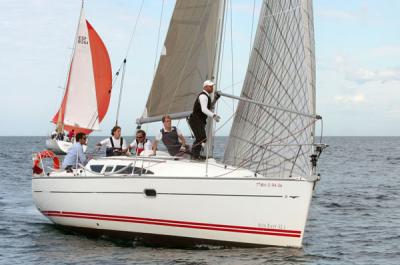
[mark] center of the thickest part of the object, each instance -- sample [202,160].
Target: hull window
[96,168]
[136,170]
[109,169]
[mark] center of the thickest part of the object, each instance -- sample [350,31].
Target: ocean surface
[354,217]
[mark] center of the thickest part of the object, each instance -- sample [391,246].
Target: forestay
[186,61]
[281,72]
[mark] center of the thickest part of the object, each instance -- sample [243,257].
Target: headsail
[187,60]
[281,72]
[88,90]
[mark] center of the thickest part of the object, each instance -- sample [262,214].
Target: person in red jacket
[71,135]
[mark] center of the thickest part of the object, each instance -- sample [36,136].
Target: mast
[215,76]
[60,119]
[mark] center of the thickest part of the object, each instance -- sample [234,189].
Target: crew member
[141,143]
[71,135]
[172,138]
[198,118]
[75,154]
[115,145]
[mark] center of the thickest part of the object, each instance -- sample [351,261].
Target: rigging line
[229,86]
[284,11]
[134,29]
[265,145]
[232,75]
[61,115]
[222,49]
[158,39]
[322,130]
[222,125]
[156,53]
[252,26]
[219,43]
[120,91]
[123,64]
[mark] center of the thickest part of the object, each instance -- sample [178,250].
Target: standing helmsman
[198,118]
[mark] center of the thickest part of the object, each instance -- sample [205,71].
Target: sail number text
[82,40]
[268,185]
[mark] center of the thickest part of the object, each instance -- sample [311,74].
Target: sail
[102,71]
[281,72]
[187,59]
[88,89]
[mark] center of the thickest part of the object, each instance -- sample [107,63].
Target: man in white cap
[198,118]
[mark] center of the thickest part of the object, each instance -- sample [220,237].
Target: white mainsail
[190,50]
[281,72]
[81,108]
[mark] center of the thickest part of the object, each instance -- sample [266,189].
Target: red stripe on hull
[172,223]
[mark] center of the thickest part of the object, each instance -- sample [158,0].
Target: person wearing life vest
[172,138]
[71,135]
[198,118]
[115,145]
[75,155]
[140,144]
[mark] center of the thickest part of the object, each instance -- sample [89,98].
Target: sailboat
[260,193]
[88,89]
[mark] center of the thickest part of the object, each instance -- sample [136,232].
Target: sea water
[354,216]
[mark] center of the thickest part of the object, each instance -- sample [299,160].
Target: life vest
[140,149]
[171,140]
[197,114]
[114,151]
[36,169]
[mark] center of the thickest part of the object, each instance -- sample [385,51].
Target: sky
[357,46]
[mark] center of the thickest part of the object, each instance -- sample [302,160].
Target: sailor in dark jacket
[198,118]
[172,138]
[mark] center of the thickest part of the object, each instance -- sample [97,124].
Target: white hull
[235,208]
[60,147]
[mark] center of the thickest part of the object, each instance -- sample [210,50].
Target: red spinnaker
[102,77]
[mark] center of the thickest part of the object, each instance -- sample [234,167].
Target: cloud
[362,75]
[337,14]
[388,50]
[394,111]
[349,99]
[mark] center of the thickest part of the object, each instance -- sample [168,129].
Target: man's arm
[203,103]
[154,147]
[156,140]
[148,145]
[181,138]
[102,142]
[123,147]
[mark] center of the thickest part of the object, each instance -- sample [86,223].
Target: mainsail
[88,91]
[190,50]
[281,72]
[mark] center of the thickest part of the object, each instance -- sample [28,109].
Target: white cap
[208,83]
